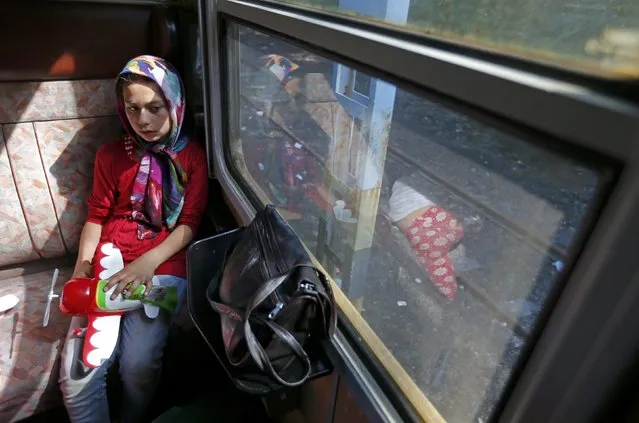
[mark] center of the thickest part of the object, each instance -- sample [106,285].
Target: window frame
[495,49]
[166,3]
[566,373]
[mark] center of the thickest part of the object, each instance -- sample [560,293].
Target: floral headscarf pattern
[158,191]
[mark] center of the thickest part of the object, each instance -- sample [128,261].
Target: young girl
[149,194]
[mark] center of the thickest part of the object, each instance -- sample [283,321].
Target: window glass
[446,234]
[362,83]
[592,35]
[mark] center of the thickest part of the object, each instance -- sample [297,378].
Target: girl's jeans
[140,347]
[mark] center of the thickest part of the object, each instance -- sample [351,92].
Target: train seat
[49,133]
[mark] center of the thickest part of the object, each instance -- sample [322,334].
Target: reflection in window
[585,34]
[446,234]
[362,83]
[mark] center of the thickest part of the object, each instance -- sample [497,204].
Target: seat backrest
[50,133]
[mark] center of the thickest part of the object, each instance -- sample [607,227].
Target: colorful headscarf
[280,66]
[158,191]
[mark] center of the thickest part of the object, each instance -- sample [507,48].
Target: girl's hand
[83,269]
[136,273]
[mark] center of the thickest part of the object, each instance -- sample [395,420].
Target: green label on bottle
[165,297]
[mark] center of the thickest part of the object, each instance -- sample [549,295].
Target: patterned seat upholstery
[49,133]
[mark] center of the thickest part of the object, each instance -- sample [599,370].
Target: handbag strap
[255,348]
[261,358]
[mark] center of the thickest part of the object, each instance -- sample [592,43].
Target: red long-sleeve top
[110,202]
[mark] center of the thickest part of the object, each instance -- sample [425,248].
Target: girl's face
[146,110]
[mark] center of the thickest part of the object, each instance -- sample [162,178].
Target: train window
[584,35]
[446,234]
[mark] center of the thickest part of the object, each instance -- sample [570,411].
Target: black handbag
[274,304]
